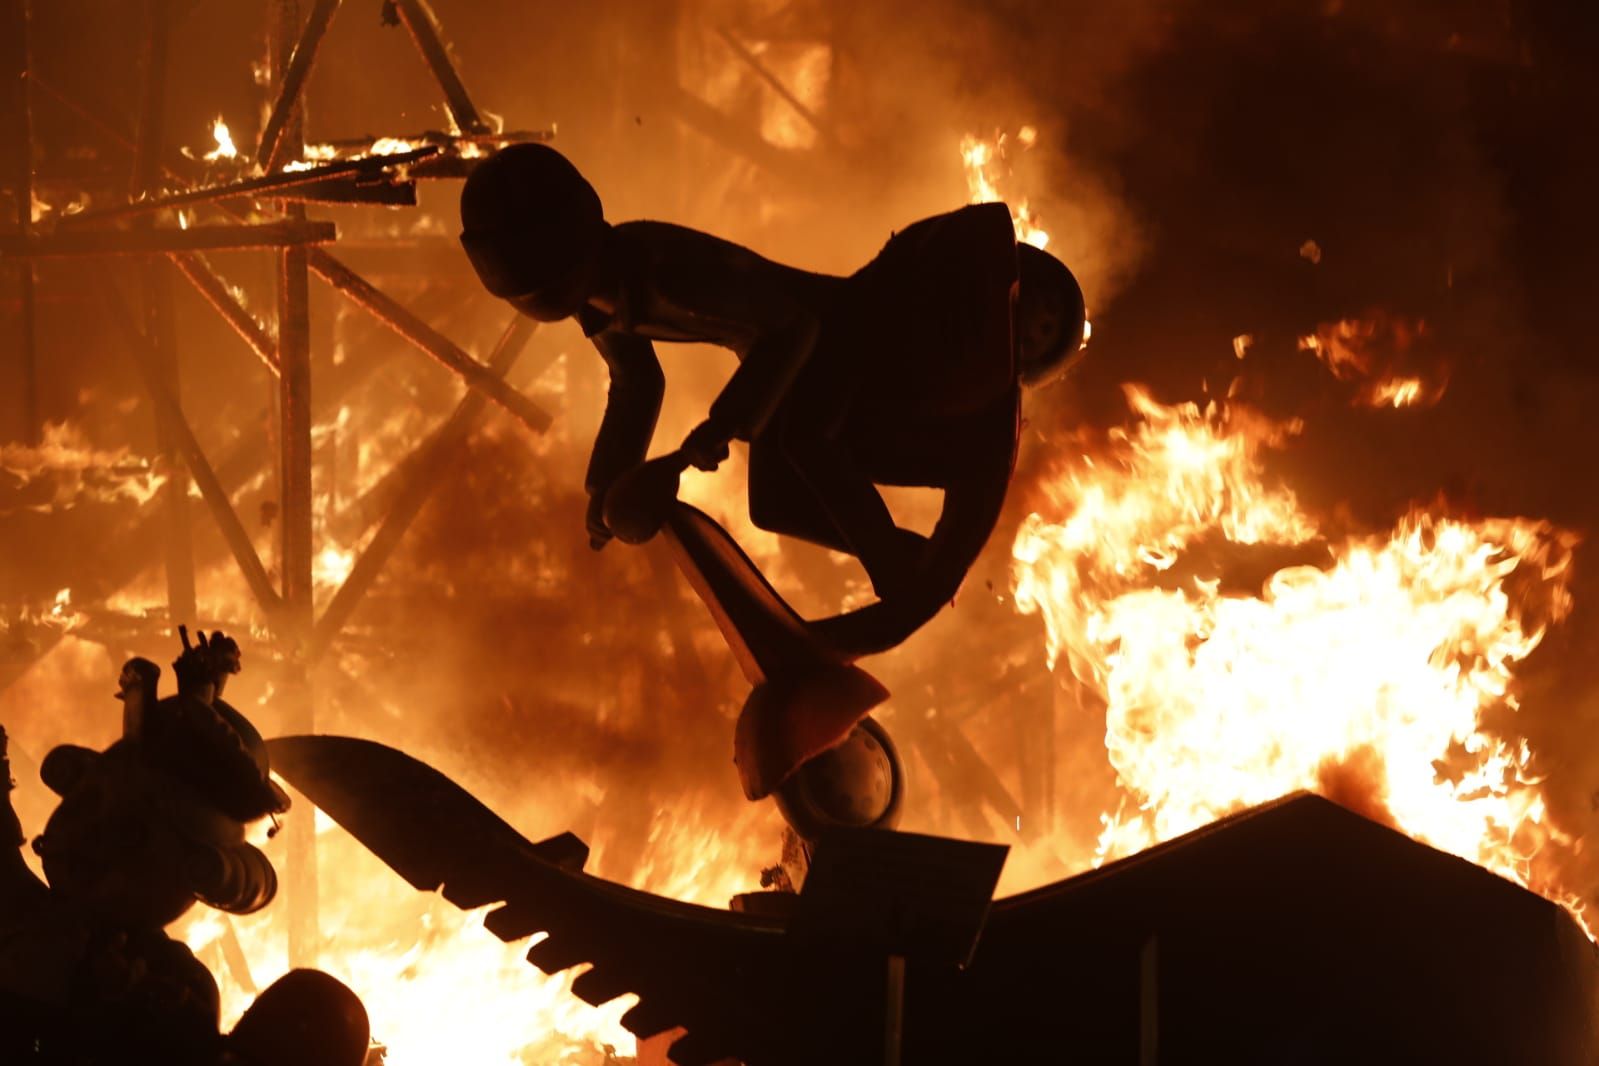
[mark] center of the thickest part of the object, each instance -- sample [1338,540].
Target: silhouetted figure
[144,830]
[908,372]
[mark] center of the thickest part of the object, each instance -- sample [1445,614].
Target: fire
[437,985]
[332,566]
[982,158]
[1365,672]
[62,615]
[985,162]
[1400,392]
[64,469]
[224,138]
[1372,351]
[392,146]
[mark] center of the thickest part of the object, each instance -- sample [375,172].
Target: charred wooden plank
[268,186]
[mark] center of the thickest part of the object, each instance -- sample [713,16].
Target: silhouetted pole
[295,514]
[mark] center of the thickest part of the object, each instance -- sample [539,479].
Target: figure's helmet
[1049,318]
[533,228]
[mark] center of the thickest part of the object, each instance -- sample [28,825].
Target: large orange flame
[1365,671]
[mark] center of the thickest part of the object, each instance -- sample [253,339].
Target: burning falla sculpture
[909,372]
[145,829]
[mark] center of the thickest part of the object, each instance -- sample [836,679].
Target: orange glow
[1365,672]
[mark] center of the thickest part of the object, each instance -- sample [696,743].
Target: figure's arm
[632,405]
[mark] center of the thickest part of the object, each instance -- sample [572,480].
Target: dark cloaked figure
[908,372]
[145,829]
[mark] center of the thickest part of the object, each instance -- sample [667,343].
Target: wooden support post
[432,458]
[424,30]
[295,515]
[156,298]
[294,560]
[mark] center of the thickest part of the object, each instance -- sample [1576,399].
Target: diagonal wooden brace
[188,446]
[394,315]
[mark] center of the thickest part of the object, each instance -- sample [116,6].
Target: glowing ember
[224,139]
[1365,677]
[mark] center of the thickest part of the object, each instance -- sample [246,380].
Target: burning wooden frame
[260,208]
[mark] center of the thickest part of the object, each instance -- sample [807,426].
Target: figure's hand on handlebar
[705,447]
